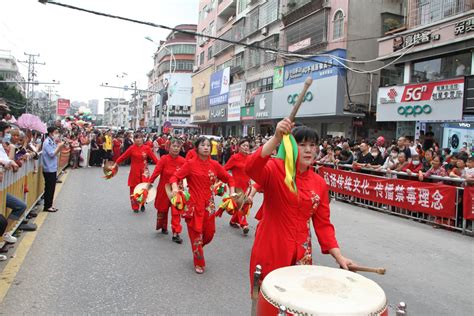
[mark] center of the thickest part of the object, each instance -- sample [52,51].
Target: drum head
[316,290]
[151,191]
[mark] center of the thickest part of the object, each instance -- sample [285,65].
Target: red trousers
[162,220]
[199,240]
[135,205]
[239,218]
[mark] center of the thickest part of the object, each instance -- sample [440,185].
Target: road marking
[8,275]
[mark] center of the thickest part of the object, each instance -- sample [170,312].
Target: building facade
[428,84]
[9,71]
[169,82]
[116,113]
[313,38]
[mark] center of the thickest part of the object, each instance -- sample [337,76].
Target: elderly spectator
[403,147]
[427,159]
[402,162]
[378,160]
[414,166]
[345,158]
[435,170]
[392,160]
[380,144]
[459,171]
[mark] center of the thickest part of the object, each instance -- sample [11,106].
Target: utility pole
[50,112]
[31,77]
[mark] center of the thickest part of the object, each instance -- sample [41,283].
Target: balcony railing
[422,12]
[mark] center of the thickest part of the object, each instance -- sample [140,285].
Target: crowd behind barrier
[445,203]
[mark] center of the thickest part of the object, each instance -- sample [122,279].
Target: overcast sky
[82,50]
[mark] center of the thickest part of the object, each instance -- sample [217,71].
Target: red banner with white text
[468,201]
[430,198]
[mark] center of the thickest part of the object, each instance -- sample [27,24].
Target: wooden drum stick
[355,268]
[300,99]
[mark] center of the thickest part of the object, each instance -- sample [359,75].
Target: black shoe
[135,211]
[164,231]
[28,227]
[245,230]
[234,225]
[59,181]
[177,239]
[142,208]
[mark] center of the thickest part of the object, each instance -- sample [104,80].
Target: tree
[15,100]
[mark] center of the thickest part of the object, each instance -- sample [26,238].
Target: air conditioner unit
[264,31]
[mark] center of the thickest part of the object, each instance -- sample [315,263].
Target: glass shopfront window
[392,75]
[444,67]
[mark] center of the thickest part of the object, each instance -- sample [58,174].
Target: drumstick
[356,268]
[301,97]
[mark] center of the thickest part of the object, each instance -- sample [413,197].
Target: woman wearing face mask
[284,235]
[236,165]
[201,174]
[138,154]
[391,161]
[165,168]
[414,166]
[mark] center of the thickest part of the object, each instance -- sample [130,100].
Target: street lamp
[172,58]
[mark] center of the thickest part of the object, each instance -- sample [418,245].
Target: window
[268,13]
[311,29]
[392,75]
[211,29]
[445,67]
[209,53]
[242,5]
[188,49]
[205,10]
[201,58]
[428,11]
[338,30]
[266,84]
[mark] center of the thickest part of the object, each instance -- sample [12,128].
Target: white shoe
[3,257]
[9,238]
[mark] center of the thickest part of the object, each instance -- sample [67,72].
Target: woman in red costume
[116,146]
[236,165]
[165,168]
[201,174]
[283,237]
[138,154]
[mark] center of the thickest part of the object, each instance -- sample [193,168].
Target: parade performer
[283,237]
[116,147]
[138,154]
[191,154]
[236,165]
[165,168]
[201,174]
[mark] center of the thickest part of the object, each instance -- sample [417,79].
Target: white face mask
[416,162]
[375,154]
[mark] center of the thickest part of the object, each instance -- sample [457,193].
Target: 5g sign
[415,94]
[293,97]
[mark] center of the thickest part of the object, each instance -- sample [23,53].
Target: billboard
[236,99]
[219,89]
[428,102]
[179,87]
[62,107]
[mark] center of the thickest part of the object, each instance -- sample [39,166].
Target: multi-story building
[251,86]
[116,112]
[171,79]
[426,87]
[9,71]
[93,105]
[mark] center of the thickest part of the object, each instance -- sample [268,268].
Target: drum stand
[401,309]
[256,288]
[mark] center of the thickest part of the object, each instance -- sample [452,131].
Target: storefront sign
[247,113]
[179,121]
[292,98]
[218,113]
[419,38]
[200,117]
[278,77]
[434,199]
[263,105]
[63,107]
[464,27]
[431,101]
[219,90]
[236,97]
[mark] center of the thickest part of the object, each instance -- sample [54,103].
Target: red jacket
[283,236]
[138,156]
[191,154]
[236,164]
[165,168]
[201,176]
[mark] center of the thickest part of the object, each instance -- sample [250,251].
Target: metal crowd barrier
[27,184]
[458,223]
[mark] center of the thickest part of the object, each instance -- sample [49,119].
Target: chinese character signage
[63,106]
[435,199]
[464,27]
[430,101]
[468,200]
[219,90]
[414,39]
[236,99]
[247,113]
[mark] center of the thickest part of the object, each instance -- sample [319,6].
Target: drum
[316,290]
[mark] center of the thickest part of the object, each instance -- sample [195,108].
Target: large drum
[316,290]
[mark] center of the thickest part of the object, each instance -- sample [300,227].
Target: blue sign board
[322,67]
[219,89]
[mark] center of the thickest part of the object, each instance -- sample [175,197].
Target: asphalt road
[95,256]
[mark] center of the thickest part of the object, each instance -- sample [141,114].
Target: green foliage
[13,97]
